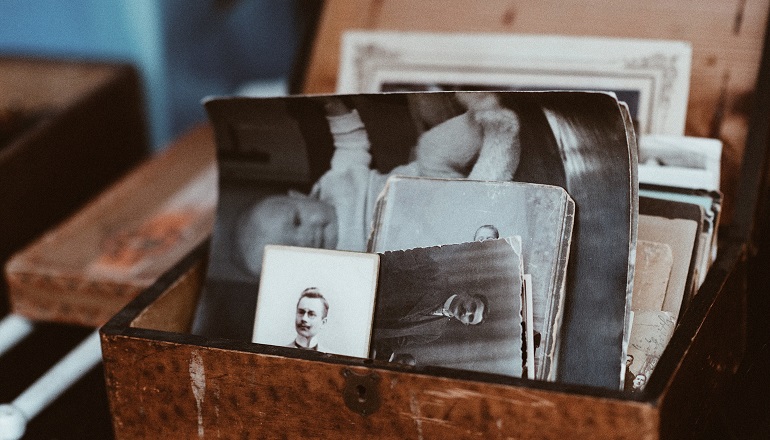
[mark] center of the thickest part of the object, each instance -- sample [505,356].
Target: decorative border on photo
[653,73]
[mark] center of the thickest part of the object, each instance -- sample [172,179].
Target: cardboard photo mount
[337,316]
[387,61]
[485,276]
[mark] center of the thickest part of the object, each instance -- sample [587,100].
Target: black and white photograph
[581,141]
[455,306]
[542,215]
[319,300]
[651,331]
[680,161]
[651,76]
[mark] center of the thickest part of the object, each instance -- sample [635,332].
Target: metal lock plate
[361,392]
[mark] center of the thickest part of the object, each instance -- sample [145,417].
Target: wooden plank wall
[726,36]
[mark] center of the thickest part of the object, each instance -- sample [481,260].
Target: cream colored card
[650,334]
[679,234]
[651,274]
[316,299]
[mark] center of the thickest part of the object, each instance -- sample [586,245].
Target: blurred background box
[81,125]
[70,129]
[183,51]
[86,269]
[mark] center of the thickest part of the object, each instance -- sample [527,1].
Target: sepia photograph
[319,300]
[580,141]
[455,306]
[651,76]
[542,215]
[650,332]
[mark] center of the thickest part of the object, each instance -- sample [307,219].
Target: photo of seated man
[434,307]
[423,319]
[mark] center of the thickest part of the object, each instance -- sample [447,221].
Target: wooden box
[164,382]
[87,268]
[86,128]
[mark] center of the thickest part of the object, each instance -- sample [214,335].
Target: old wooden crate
[87,268]
[164,382]
[70,129]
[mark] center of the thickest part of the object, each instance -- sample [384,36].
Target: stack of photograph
[469,230]
[680,206]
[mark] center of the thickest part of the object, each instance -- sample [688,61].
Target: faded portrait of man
[312,314]
[451,305]
[420,319]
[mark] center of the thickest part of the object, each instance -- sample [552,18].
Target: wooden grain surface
[726,38]
[165,383]
[89,131]
[173,309]
[162,389]
[37,84]
[717,319]
[89,267]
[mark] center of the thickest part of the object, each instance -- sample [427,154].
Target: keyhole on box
[361,393]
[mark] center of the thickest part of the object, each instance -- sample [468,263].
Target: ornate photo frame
[652,76]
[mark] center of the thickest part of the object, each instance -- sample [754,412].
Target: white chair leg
[15,416]
[13,328]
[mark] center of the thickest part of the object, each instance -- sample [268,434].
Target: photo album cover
[346,147]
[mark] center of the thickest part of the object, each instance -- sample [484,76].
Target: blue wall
[184,49]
